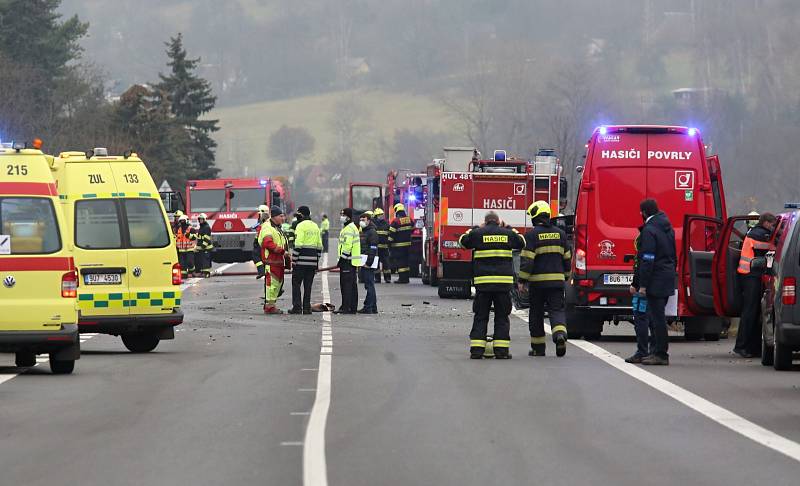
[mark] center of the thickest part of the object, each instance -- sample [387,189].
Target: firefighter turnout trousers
[400,243]
[553,300]
[483,303]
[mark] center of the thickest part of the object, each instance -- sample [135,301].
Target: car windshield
[207,200]
[28,226]
[247,199]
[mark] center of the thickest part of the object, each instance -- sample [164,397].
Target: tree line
[49,91]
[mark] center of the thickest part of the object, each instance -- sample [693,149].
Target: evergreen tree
[189,97]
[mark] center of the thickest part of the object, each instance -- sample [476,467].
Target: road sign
[165,187]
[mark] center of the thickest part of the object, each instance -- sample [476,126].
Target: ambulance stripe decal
[28,188]
[34,264]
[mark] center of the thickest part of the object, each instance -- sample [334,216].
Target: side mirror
[579,169]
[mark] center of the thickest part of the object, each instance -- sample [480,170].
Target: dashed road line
[711,410]
[315,467]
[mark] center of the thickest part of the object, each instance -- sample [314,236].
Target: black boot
[537,350]
[502,353]
[476,352]
[561,344]
[295,310]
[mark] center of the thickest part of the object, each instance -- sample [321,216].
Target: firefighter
[382,228]
[185,241]
[204,247]
[176,220]
[325,228]
[263,216]
[288,228]
[274,247]
[752,265]
[493,276]
[544,267]
[349,261]
[400,242]
[305,260]
[369,246]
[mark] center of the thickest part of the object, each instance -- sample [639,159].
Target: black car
[780,312]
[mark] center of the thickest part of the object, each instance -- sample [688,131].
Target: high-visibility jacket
[756,244]
[273,244]
[307,244]
[382,228]
[204,242]
[492,256]
[325,225]
[545,261]
[185,240]
[350,244]
[400,230]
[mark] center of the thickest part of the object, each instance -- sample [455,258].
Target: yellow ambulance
[123,246]
[38,311]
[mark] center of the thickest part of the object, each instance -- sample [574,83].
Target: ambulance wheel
[25,359]
[140,342]
[61,367]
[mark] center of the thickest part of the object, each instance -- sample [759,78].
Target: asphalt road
[230,400]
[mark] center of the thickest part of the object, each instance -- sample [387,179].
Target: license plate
[618,279]
[102,279]
[229,241]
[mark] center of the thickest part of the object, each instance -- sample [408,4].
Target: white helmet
[203,216]
[183,217]
[263,209]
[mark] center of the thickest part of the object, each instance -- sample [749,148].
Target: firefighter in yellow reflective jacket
[274,247]
[493,276]
[349,261]
[545,266]
[400,242]
[204,247]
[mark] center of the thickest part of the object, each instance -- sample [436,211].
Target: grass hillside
[245,129]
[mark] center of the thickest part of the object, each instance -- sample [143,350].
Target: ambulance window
[97,225]
[30,223]
[208,200]
[247,199]
[146,223]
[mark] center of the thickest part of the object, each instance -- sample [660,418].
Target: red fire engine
[232,209]
[459,200]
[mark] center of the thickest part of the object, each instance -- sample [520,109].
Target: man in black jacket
[369,251]
[493,276]
[656,274]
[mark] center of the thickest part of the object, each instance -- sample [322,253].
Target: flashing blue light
[499,155]
[263,183]
[412,198]
[603,130]
[692,132]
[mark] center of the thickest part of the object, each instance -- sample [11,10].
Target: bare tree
[473,104]
[290,144]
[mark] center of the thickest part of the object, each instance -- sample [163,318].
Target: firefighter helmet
[263,209]
[183,217]
[752,222]
[539,208]
[178,213]
[378,212]
[202,216]
[368,214]
[399,207]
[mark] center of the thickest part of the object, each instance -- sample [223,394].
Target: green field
[245,129]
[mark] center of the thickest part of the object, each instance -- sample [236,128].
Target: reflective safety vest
[756,244]
[325,225]
[400,231]
[545,261]
[307,244]
[273,244]
[350,244]
[185,240]
[492,256]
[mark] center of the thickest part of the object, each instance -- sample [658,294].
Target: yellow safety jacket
[350,244]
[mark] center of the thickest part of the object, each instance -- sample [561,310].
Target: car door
[699,245]
[727,290]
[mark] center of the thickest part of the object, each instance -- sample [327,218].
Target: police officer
[185,241]
[752,265]
[400,242]
[493,276]
[545,266]
[325,228]
[349,262]
[382,228]
[305,257]
[263,216]
[204,246]
[369,249]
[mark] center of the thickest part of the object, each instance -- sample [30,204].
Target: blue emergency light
[499,155]
[263,183]
[602,130]
[412,197]
[692,132]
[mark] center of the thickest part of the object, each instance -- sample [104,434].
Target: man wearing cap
[349,262]
[263,216]
[382,228]
[273,243]
[305,260]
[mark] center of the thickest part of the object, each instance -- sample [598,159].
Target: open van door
[365,197]
[701,237]
[727,291]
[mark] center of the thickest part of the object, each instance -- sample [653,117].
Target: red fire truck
[460,199]
[232,209]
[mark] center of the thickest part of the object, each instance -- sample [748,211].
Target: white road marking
[720,415]
[315,467]
[300,413]
[296,443]
[223,268]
